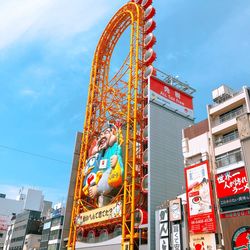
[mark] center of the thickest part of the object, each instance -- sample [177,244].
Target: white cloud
[29,92]
[57,19]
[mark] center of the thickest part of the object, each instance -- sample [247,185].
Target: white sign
[164,229]
[176,237]
[163,215]
[164,244]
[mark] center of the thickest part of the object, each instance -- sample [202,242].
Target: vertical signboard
[175,210]
[163,229]
[176,237]
[201,216]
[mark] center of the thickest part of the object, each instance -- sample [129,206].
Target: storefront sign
[163,229]
[176,236]
[163,215]
[170,97]
[201,215]
[241,238]
[235,214]
[202,242]
[175,210]
[100,214]
[164,244]
[234,200]
[232,182]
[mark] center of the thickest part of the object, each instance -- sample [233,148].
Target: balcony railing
[232,114]
[229,158]
[227,138]
[233,95]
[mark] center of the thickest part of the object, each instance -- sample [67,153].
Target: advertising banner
[202,241]
[108,212]
[170,97]
[201,216]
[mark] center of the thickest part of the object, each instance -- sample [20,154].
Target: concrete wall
[166,168]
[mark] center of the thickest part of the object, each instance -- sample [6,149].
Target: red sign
[200,205]
[241,238]
[168,96]
[231,183]
[235,214]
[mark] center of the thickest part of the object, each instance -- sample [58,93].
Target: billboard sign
[4,222]
[232,182]
[168,96]
[108,212]
[201,216]
[241,238]
[232,187]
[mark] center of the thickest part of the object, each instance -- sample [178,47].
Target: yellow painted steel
[112,100]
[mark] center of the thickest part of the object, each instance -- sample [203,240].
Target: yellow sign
[108,212]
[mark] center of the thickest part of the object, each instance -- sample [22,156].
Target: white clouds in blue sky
[46,49]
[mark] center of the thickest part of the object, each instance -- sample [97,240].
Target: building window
[56,234]
[229,158]
[231,114]
[53,247]
[45,237]
[56,221]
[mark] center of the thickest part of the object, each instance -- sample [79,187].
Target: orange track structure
[120,98]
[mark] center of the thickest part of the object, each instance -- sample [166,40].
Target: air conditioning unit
[219,140]
[222,93]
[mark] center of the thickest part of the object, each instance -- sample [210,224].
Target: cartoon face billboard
[103,172]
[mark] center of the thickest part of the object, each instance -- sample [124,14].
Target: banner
[201,216]
[108,212]
[170,97]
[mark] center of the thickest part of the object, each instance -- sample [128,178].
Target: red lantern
[149,26]
[149,71]
[149,41]
[146,3]
[144,184]
[138,1]
[141,217]
[149,56]
[149,12]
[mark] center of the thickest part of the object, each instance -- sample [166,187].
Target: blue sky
[46,49]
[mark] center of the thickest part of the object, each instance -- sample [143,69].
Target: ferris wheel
[119,100]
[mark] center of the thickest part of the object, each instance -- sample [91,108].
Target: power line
[33,154]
